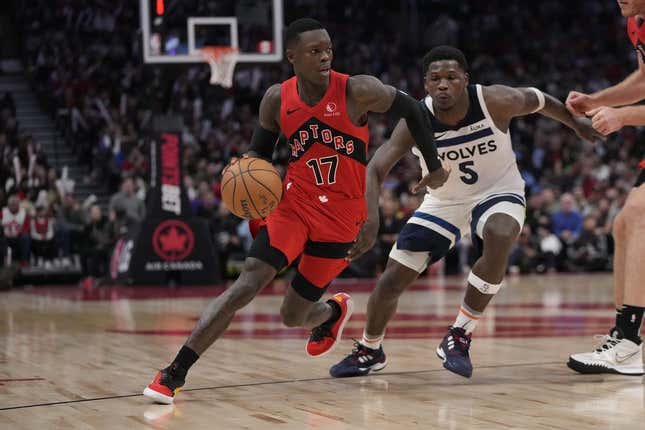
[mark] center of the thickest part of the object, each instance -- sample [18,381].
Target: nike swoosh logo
[290,111]
[439,136]
[621,358]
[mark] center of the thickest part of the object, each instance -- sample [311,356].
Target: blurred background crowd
[83,57]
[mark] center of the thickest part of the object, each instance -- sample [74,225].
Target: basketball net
[222,60]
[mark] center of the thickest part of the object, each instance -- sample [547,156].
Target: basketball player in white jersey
[483,197]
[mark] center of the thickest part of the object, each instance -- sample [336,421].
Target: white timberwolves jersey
[480,155]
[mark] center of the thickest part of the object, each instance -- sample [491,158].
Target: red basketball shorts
[320,232]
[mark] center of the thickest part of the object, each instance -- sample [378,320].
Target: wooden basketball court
[73,359]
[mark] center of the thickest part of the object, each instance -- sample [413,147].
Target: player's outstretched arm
[267,131]
[372,95]
[378,168]
[631,90]
[607,120]
[506,103]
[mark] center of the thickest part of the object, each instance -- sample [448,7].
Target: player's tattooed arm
[371,95]
[267,131]
[506,103]
[384,159]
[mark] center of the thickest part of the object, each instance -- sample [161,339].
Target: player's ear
[425,83]
[466,78]
[291,54]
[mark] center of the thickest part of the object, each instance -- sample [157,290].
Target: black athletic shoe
[453,350]
[360,362]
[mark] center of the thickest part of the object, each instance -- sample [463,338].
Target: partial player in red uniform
[323,114]
[611,109]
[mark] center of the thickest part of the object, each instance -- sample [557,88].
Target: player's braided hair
[444,52]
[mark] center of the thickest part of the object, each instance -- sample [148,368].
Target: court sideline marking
[286,381]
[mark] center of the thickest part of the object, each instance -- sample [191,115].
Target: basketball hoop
[222,60]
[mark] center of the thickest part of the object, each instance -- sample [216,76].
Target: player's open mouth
[325,71]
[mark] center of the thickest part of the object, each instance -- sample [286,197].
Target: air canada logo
[330,109]
[173,240]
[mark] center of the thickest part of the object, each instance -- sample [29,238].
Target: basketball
[251,187]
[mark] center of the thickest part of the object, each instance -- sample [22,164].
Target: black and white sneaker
[612,355]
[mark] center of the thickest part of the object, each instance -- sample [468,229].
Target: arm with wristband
[506,103]
[267,131]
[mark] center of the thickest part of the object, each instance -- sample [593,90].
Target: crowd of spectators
[84,59]
[42,224]
[29,188]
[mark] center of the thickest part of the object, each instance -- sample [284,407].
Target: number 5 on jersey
[470,176]
[316,164]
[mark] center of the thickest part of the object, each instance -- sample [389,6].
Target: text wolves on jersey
[468,151]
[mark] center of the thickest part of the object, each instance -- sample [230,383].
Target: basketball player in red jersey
[323,114]
[611,109]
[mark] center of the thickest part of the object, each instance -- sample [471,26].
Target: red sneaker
[164,387]
[325,337]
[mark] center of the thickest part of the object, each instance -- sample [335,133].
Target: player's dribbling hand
[586,132]
[364,241]
[434,179]
[606,120]
[578,103]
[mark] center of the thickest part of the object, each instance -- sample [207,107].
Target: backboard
[173,31]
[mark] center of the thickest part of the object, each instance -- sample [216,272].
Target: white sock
[372,342]
[467,318]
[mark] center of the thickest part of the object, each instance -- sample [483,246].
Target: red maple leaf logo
[172,240]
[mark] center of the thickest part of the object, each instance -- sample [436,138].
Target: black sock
[617,331]
[630,322]
[335,310]
[186,357]
[619,314]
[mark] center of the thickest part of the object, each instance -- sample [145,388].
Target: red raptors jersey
[636,32]
[328,152]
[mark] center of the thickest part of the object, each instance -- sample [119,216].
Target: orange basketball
[251,187]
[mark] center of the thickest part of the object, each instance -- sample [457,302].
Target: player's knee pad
[483,286]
